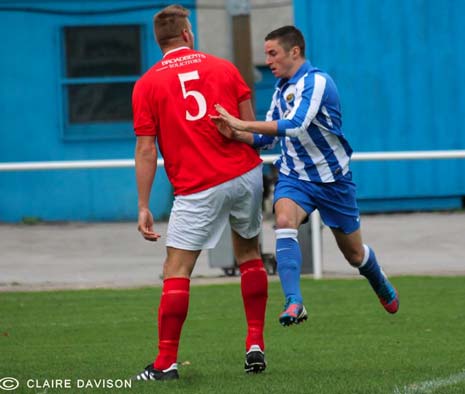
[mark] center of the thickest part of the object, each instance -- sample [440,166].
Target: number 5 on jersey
[199,98]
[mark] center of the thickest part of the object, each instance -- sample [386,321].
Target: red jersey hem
[213,184]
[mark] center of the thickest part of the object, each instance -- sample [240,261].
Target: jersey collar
[174,50]
[303,69]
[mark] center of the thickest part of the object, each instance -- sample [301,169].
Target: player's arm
[308,102]
[259,141]
[247,126]
[145,156]
[146,166]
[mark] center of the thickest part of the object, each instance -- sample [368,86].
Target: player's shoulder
[152,72]
[317,77]
[141,85]
[147,76]
[330,85]
[315,72]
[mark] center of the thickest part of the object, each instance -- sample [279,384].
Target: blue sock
[371,270]
[289,260]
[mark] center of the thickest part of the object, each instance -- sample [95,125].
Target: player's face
[280,61]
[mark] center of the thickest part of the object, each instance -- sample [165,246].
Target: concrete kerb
[113,255]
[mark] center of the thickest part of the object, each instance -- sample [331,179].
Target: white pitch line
[430,386]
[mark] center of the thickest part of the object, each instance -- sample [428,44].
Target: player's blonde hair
[169,23]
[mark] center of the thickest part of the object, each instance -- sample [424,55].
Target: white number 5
[202,104]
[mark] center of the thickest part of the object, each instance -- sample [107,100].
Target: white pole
[70,165]
[316,245]
[268,159]
[409,155]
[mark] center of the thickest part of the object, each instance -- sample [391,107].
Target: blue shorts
[335,201]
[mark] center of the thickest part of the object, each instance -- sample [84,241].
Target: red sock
[254,286]
[172,312]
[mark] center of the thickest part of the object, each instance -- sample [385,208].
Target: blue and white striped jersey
[307,109]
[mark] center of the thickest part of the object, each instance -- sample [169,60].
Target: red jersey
[172,101]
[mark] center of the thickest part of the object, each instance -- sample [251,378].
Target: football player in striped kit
[305,119]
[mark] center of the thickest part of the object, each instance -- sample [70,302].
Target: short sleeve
[242,89]
[142,109]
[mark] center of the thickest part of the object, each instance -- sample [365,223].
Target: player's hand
[232,121]
[145,225]
[223,127]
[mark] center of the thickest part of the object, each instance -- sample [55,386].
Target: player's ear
[185,35]
[295,51]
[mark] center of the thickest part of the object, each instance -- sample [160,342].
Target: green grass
[348,345]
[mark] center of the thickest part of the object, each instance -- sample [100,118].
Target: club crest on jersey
[289,94]
[290,97]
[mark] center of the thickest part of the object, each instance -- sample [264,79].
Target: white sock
[286,233]
[366,256]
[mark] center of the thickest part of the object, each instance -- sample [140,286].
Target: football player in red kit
[215,180]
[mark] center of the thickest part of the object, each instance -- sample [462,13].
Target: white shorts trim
[198,220]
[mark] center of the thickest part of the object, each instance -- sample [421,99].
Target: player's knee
[284,221]
[246,249]
[246,256]
[173,269]
[354,257]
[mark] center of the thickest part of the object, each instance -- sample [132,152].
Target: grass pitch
[348,345]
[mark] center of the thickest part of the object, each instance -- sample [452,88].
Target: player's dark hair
[288,37]
[169,23]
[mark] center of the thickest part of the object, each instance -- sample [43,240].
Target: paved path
[83,255]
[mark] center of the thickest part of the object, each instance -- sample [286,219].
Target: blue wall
[31,111]
[398,64]
[400,69]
